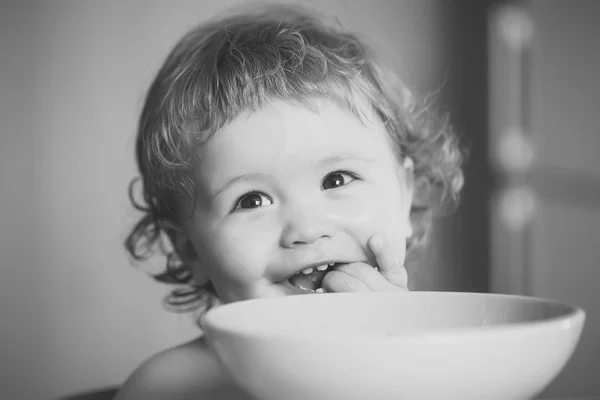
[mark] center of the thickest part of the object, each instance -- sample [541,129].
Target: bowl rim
[573,316]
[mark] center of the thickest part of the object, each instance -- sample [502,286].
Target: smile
[311,278]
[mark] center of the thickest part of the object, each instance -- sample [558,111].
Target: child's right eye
[252,200]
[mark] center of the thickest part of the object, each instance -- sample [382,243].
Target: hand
[389,276]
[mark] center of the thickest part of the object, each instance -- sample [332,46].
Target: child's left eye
[337,179]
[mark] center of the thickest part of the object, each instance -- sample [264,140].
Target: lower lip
[296,289]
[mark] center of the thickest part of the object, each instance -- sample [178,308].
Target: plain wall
[74,313]
[564,256]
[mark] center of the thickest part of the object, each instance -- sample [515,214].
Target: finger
[368,275]
[390,264]
[338,281]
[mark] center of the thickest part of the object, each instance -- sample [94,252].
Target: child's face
[286,187]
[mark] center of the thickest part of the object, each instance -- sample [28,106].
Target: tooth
[331,264]
[322,267]
[319,290]
[307,271]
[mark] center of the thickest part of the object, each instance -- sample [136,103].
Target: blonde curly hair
[239,62]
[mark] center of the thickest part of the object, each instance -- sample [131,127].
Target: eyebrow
[251,177]
[345,157]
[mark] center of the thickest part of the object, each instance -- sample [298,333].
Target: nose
[305,226]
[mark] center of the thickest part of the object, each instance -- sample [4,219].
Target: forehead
[283,135]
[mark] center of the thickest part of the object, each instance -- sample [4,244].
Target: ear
[408,166]
[184,248]
[407,181]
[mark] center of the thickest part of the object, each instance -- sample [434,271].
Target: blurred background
[520,81]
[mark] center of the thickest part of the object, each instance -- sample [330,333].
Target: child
[279,157]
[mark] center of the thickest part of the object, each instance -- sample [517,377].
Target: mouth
[310,279]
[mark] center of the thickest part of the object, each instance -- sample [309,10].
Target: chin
[278,289]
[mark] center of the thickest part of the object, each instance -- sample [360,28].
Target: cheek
[379,209]
[240,255]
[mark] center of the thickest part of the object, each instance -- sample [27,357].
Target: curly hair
[242,61]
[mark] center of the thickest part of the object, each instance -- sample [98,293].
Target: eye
[252,200]
[337,179]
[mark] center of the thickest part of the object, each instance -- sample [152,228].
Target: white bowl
[411,345]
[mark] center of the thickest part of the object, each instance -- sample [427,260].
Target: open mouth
[311,279]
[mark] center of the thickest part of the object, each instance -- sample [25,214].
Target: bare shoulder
[188,371]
